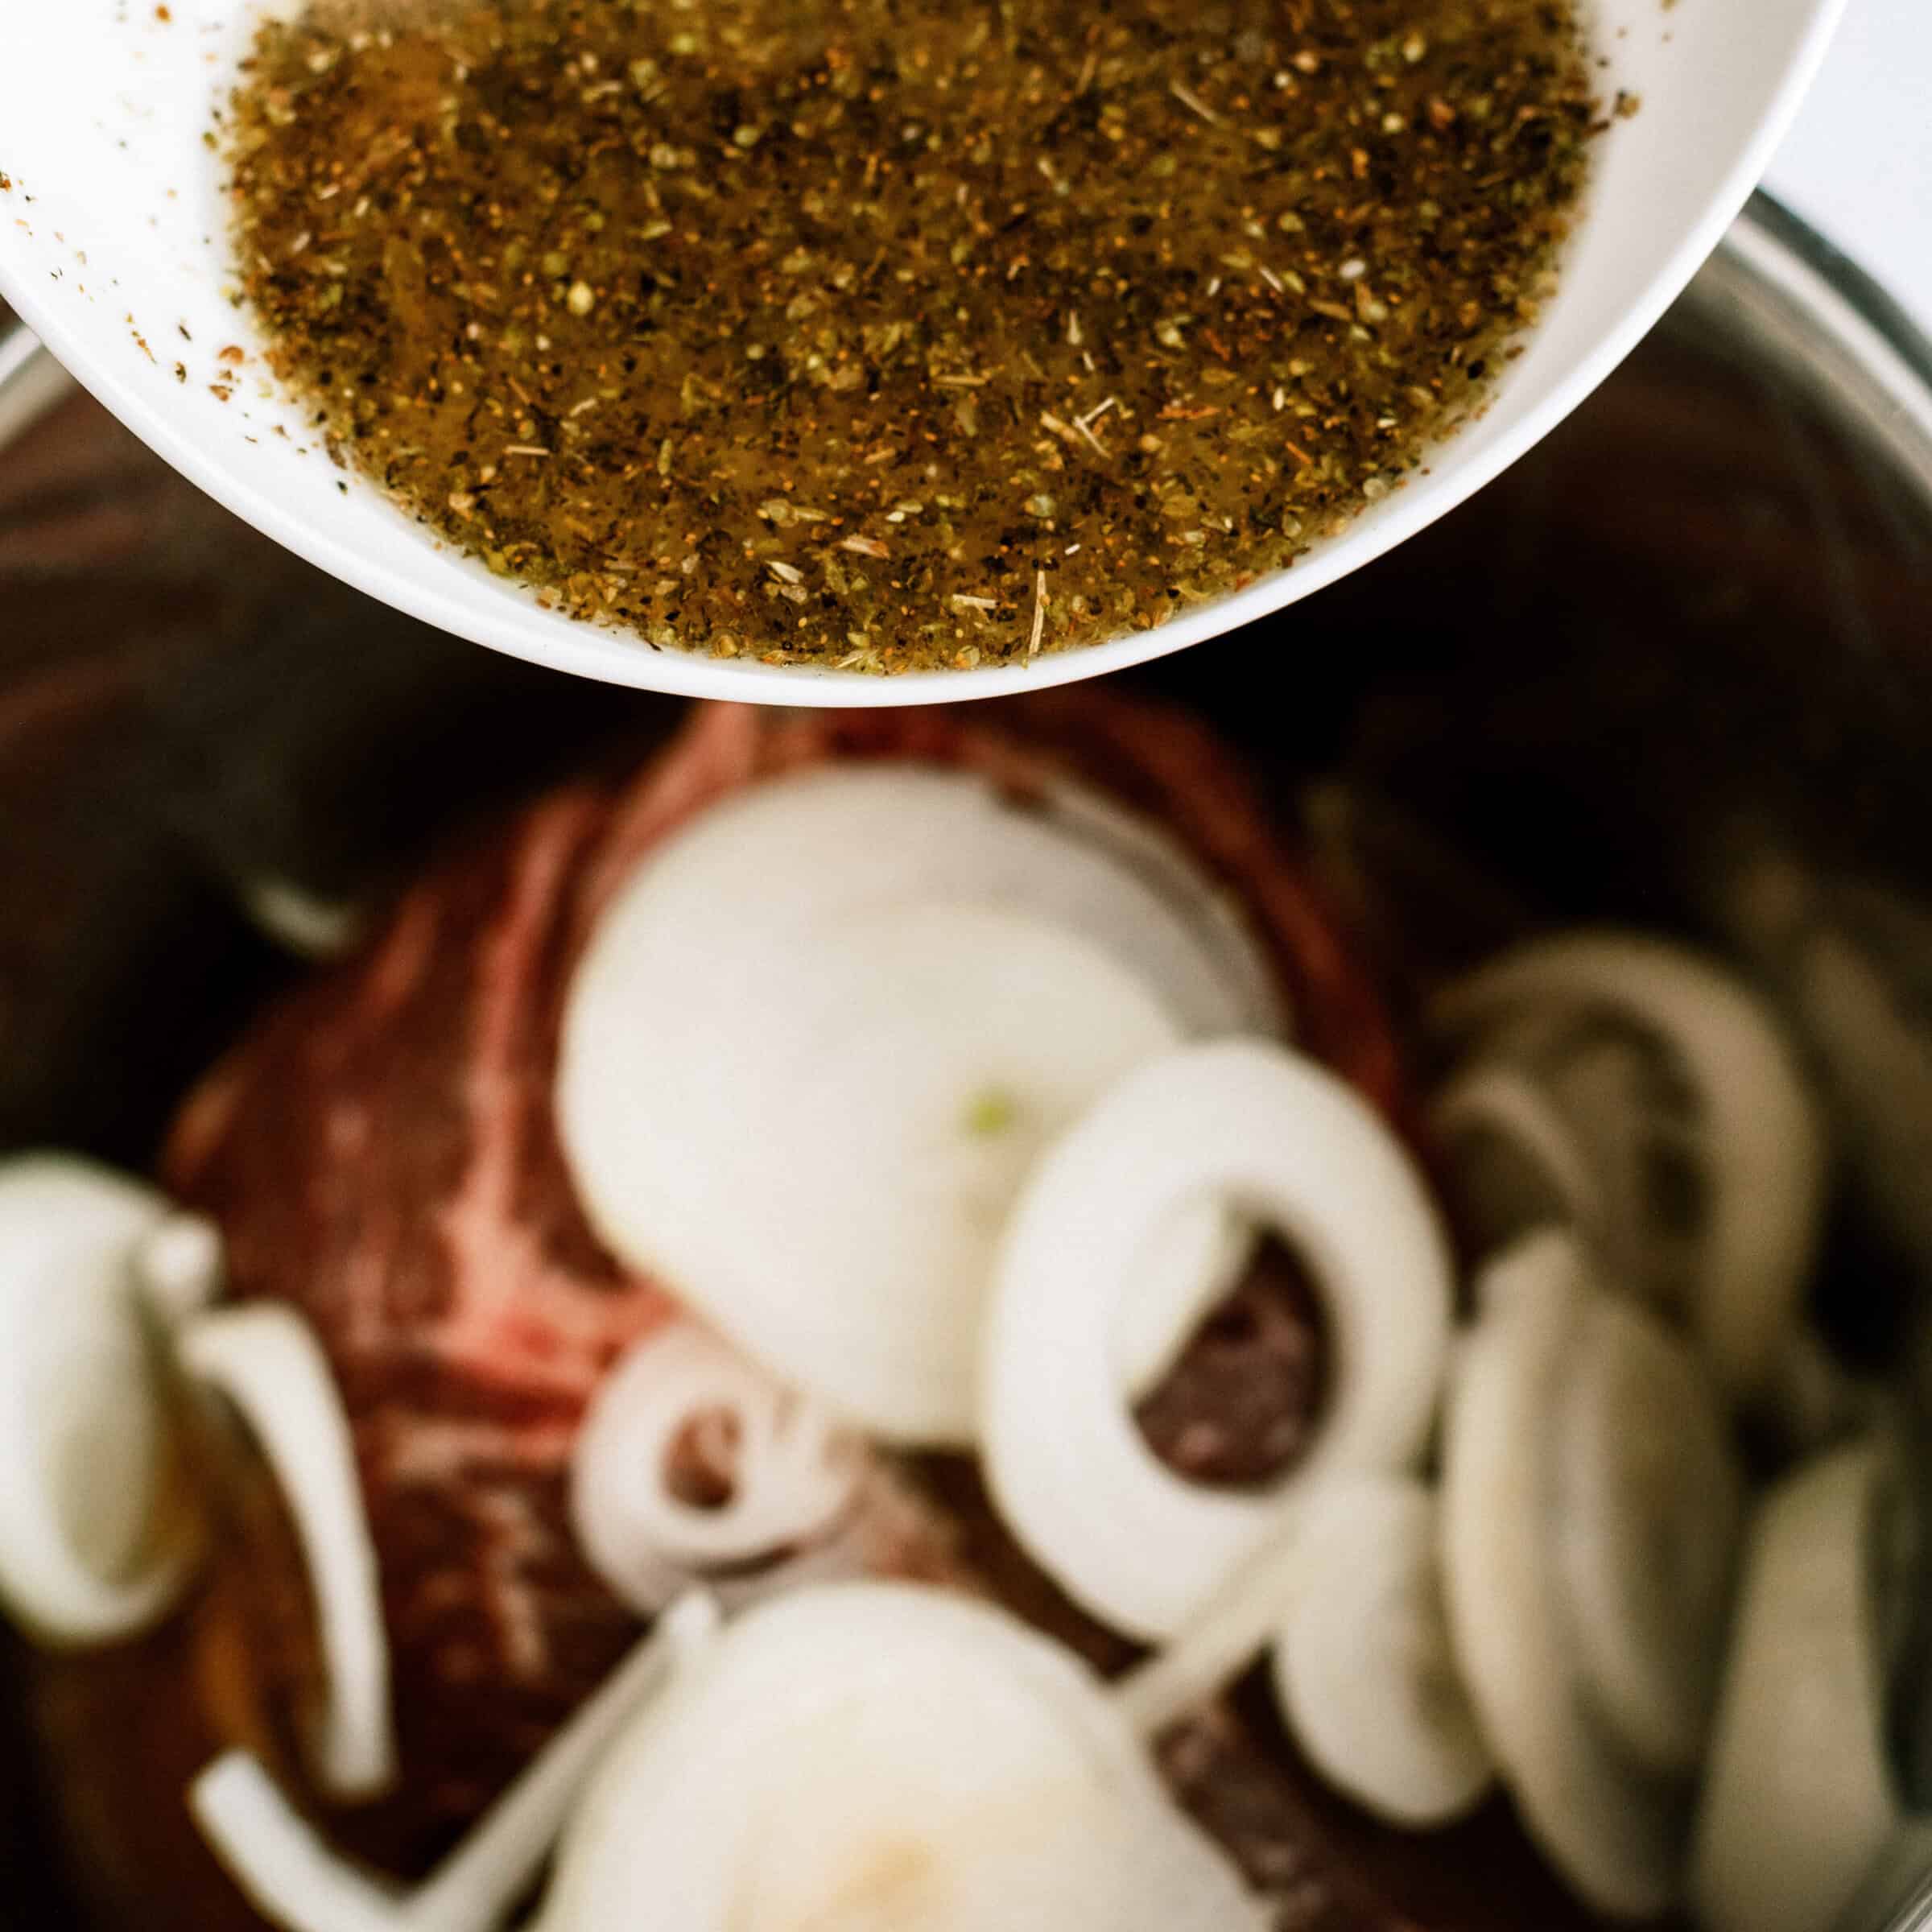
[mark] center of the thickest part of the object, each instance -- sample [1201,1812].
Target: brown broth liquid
[901,334]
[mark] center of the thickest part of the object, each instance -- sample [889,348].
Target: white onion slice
[1286,1143]
[1799,1801]
[1610,1829]
[309,925]
[1190,935]
[284,1867]
[1763,1143]
[89,1553]
[265,1359]
[1817,1401]
[291,1875]
[180,1268]
[800,1176]
[878,1756]
[1497,1099]
[1648,1503]
[816,847]
[793,1472]
[1218,1644]
[1891,1894]
[1364,1667]
[816,1146]
[1158,1313]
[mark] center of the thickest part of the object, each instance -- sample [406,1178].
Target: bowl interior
[112,247]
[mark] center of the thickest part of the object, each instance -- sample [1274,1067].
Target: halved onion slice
[179,1267]
[1762,1139]
[1798,1800]
[814,1142]
[823,1185]
[295,1879]
[1156,1321]
[1606,1128]
[1350,1595]
[1610,1828]
[1493,1100]
[1286,1143]
[284,1867]
[1648,1503]
[815,847]
[1364,1667]
[90,1551]
[308,925]
[1218,1644]
[1199,947]
[791,1473]
[265,1359]
[1893,1893]
[1819,1401]
[870,1756]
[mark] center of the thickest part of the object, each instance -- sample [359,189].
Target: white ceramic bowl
[112,247]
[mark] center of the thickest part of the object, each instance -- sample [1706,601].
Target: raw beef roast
[380,1151]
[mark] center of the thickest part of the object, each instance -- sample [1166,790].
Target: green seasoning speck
[990,1113]
[901,333]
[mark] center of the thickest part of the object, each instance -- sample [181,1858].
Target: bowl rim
[690,674]
[580,650]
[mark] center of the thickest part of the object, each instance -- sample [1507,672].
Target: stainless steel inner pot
[1676,667]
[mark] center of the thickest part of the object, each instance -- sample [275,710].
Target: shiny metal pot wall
[1674,668]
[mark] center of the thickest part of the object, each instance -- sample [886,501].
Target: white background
[1858,163]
